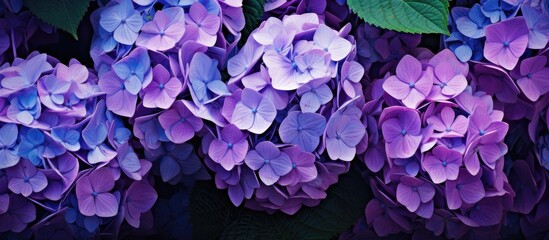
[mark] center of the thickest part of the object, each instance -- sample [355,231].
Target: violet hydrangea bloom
[123,21]
[410,84]
[506,42]
[254,112]
[303,167]
[532,77]
[415,194]
[465,189]
[474,23]
[179,123]
[313,95]
[21,212]
[8,146]
[327,39]
[119,99]
[139,199]
[206,23]
[164,31]
[443,164]
[401,131]
[134,70]
[26,179]
[302,129]
[538,25]
[270,161]
[163,89]
[342,136]
[205,79]
[231,147]
[93,192]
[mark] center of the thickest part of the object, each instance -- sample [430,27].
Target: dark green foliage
[213,216]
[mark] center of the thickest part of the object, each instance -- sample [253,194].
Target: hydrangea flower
[164,31]
[342,136]
[443,164]
[506,42]
[139,199]
[25,107]
[538,23]
[531,77]
[313,95]
[474,24]
[230,148]
[163,90]
[119,99]
[206,23]
[8,145]
[254,112]
[270,161]
[416,195]
[179,123]
[302,129]
[22,212]
[326,39]
[205,79]
[411,84]
[401,131]
[93,192]
[466,189]
[303,167]
[26,179]
[123,21]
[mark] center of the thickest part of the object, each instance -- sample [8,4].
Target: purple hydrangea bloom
[401,128]
[93,192]
[261,82]
[411,84]
[303,167]
[443,164]
[474,24]
[465,189]
[313,95]
[21,212]
[119,99]
[206,23]
[179,123]
[254,112]
[270,161]
[123,21]
[8,145]
[416,195]
[164,31]
[230,148]
[139,199]
[205,79]
[302,129]
[506,42]
[327,39]
[24,107]
[532,77]
[163,89]
[26,179]
[342,136]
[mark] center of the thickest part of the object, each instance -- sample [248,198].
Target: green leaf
[412,16]
[253,13]
[62,14]
[214,217]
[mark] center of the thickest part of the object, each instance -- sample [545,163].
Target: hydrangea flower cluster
[454,143]
[439,165]
[291,117]
[438,149]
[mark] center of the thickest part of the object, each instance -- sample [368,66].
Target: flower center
[299,129]
[338,137]
[294,165]
[294,66]
[414,188]
[403,132]
[26,179]
[444,163]
[254,111]
[123,21]
[506,44]
[459,186]
[481,132]
[230,145]
[94,194]
[183,120]
[448,129]
[529,75]
[412,85]
[161,86]
[267,161]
